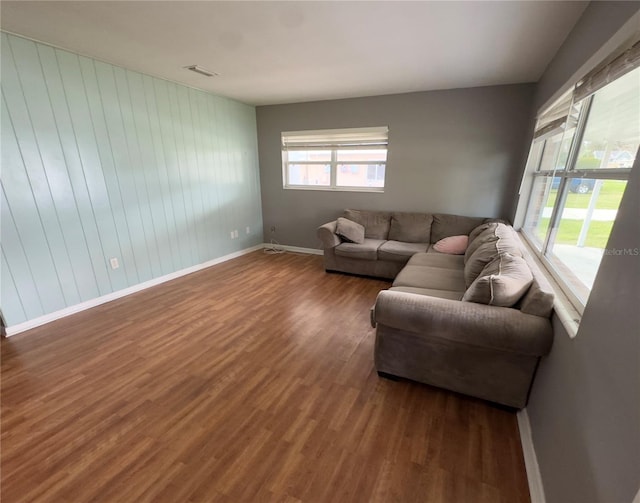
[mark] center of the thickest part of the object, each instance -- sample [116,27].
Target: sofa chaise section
[475,323]
[484,351]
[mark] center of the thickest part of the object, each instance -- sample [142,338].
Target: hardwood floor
[249,381]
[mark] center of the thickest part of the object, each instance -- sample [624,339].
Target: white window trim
[563,308]
[334,143]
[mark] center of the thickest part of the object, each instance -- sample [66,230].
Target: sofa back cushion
[376,223]
[445,225]
[502,282]
[481,228]
[480,235]
[506,241]
[410,227]
[539,299]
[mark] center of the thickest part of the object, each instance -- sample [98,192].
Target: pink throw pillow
[454,245]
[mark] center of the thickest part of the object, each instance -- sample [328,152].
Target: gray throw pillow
[349,231]
[502,282]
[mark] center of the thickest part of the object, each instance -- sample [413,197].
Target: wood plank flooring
[249,381]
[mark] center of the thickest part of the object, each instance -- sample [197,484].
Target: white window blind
[555,116]
[563,114]
[370,137]
[602,75]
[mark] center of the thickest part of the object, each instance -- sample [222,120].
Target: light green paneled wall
[101,162]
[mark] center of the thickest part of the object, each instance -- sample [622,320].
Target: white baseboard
[536,489]
[67,311]
[294,249]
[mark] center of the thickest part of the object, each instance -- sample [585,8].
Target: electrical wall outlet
[114,263]
[233,235]
[248,230]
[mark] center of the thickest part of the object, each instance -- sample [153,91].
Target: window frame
[333,146]
[543,251]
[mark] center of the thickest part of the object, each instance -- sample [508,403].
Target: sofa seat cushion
[441,260]
[502,282]
[441,294]
[436,278]
[367,250]
[410,227]
[398,251]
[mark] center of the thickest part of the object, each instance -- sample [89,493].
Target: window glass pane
[362,155]
[309,155]
[360,175]
[556,148]
[581,237]
[550,153]
[543,196]
[565,146]
[375,172]
[533,162]
[612,132]
[309,174]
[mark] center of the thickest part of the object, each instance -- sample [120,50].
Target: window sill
[375,190]
[562,306]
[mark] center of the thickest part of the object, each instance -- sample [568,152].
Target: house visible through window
[335,159]
[580,160]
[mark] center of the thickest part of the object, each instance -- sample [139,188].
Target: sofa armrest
[327,234]
[501,328]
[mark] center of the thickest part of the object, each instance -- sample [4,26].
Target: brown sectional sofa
[476,323]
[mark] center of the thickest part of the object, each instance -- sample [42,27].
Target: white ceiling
[285,52]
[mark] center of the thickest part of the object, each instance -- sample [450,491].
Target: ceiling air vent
[201,71]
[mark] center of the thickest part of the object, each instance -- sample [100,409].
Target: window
[335,159]
[580,159]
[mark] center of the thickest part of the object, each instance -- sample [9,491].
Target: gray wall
[585,403]
[598,23]
[457,151]
[101,162]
